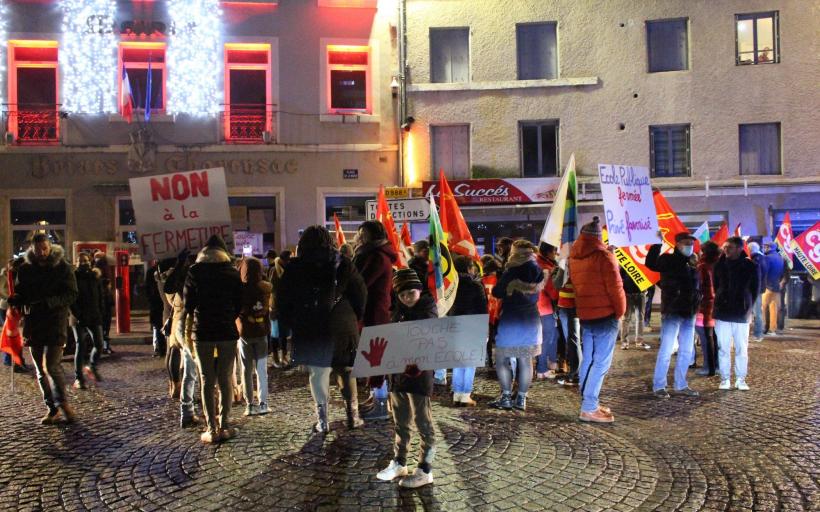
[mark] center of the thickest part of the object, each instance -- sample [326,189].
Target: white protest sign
[180,210]
[630,209]
[448,342]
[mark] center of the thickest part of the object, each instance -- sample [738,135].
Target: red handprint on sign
[377,346]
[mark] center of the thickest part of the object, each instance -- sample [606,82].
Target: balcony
[248,123]
[34,124]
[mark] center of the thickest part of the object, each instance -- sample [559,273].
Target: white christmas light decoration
[194,57]
[88,56]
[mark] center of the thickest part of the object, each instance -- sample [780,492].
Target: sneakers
[541,376]
[625,345]
[502,402]
[725,384]
[189,421]
[520,402]
[210,437]
[661,394]
[568,380]
[463,400]
[419,478]
[50,418]
[250,410]
[598,416]
[263,409]
[550,374]
[93,374]
[687,391]
[758,339]
[392,471]
[741,385]
[78,384]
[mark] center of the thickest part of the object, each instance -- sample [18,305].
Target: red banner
[384,216]
[784,240]
[498,191]
[807,249]
[633,261]
[668,221]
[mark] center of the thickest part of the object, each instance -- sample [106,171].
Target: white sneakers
[740,384]
[725,384]
[391,472]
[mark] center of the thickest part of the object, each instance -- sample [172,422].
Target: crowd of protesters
[550,317]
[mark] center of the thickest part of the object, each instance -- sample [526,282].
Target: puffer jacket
[679,283]
[90,303]
[470,297]
[414,380]
[47,291]
[735,289]
[213,297]
[707,286]
[599,291]
[375,261]
[549,295]
[254,318]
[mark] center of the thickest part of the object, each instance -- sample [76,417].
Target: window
[253,219]
[348,79]
[760,148]
[449,55]
[136,59]
[758,38]
[539,149]
[33,91]
[669,150]
[451,150]
[537,51]
[126,221]
[248,112]
[32,216]
[668,45]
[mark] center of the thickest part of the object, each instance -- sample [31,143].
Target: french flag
[126,99]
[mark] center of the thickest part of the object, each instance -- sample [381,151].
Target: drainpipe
[402,78]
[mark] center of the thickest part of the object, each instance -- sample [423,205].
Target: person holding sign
[680,298]
[411,390]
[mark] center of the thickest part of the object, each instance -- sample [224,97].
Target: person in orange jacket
[600,303]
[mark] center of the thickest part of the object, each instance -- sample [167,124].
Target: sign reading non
[631,217]
[180,211]
[448,342]
[350,174]
[403,210]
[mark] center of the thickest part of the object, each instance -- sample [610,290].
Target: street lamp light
[394,86]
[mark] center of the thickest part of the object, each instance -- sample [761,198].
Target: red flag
[340,235]
[668,221]
[807,249]
[384,216]
[11,339]
[126,98]
[459,239]
[405,235]
[722,235]
[784,240]
[744,238]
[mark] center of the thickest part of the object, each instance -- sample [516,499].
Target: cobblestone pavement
[758,450]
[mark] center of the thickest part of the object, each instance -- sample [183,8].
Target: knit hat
[683,236]
[592,228]
[406,279]
[216,242]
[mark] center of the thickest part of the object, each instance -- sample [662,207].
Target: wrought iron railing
[35,124]
[248,123]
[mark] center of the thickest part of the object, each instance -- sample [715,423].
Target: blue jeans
[189,382]
[681,329]
[571,327]
[758,317]
[598,344]
[549,345]
[380,393]
[463,380]
[83,334]
[440,374]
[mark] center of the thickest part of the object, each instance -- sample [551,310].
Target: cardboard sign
[807,249]
[180,210]
[629,205]
[448,342]
[402,210]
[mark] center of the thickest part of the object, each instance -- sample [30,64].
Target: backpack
[313,302]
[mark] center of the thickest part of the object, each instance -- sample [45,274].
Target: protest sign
[807,249]
[629,205]
[180,210]
[448,342]
[633,260]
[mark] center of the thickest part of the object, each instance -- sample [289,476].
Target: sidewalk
[140,330]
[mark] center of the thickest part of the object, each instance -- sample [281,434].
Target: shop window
[669,150]
[137,59]
[32,216]
[253,219]
[668,45]
[757,38]
[694,220]
[348,79]
[350,210]
[248,112]
[33,92]
[539,149]
[451,151]
[537,48]
[760,149]
[449,55]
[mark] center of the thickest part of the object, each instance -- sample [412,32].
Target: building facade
[718,99]
[292,98]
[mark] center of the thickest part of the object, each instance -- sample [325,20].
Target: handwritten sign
[180,210]
[630,208]
[448,342]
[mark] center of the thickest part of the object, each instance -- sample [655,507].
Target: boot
[68,412]
[378,412]
[276,362]
[520,402]
[321,426]
[503,402]
[175,389]
[352,410]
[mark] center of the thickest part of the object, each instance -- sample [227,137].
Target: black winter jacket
[213,297]
[47,292]
[680,281]
[736,287]
[471,299]
[413,380]
[90,303]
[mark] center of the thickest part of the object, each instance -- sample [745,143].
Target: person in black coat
[680,298]
[88,310]
[411,390]
[213,298]
[471,299]
[736,286]
[324,297]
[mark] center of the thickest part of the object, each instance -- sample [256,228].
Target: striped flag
[126,97]
[702,233]
[443,279]
[561,225]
